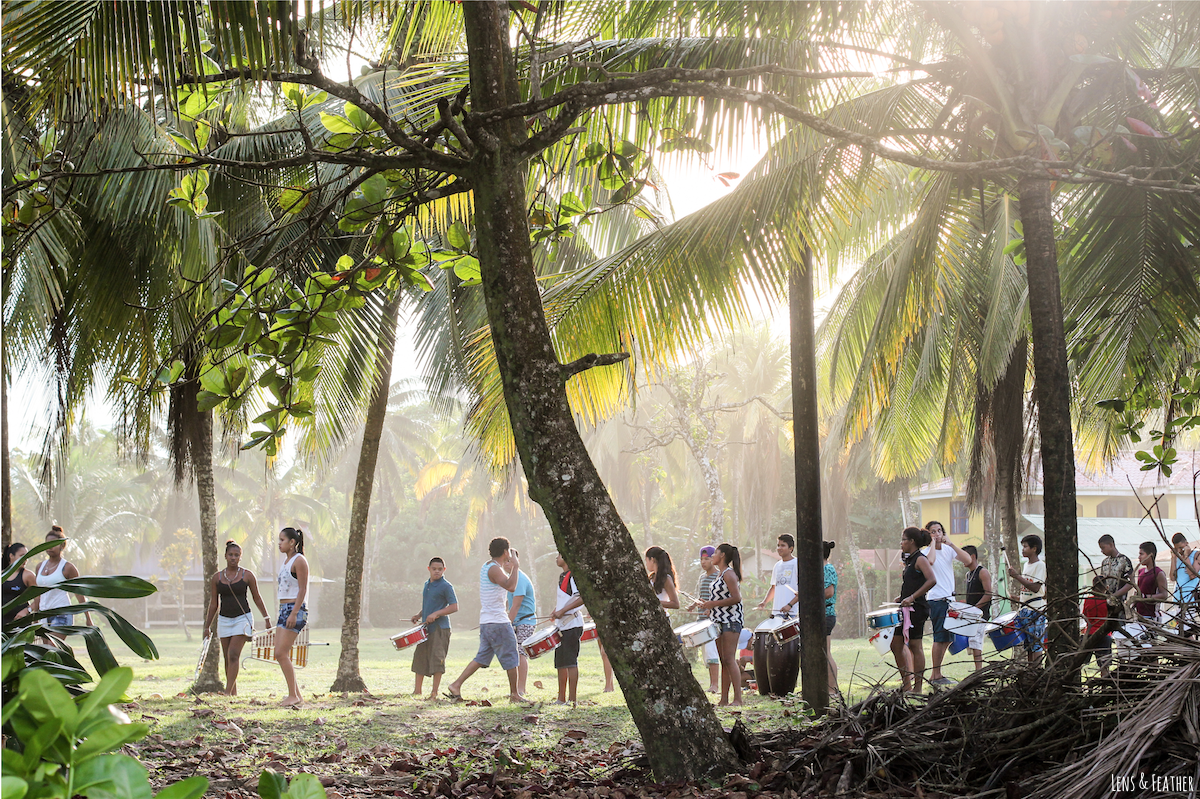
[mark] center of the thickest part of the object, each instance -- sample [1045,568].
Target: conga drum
[763,637]
[783,665]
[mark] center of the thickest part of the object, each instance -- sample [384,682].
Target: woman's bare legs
[730,673]
[284,638]
[232,647]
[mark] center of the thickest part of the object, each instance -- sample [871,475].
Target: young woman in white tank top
[53,571]
[292,590]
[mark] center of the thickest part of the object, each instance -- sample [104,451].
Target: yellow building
[1099,495]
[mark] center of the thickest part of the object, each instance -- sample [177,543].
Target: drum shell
[883,619]
[541,642]
[410,637]
[882,640]
[589,633]
[776,665]
[963,619]
[1003,631]
[789,630]
[696,633]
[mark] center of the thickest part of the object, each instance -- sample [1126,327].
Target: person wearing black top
[235,625]
[979,594]
[14,587]
[916,581]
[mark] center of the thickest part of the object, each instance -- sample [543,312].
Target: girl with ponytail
[292,589]
[726,607]
[662,577]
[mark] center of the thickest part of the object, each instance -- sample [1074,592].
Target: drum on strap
[589,633]
[776,662]
[1003,631]
[696,633]
[410,637]
[886,617]
[963,619]
[541,642]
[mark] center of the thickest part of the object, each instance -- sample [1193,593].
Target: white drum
[965,620]
[882,640]
[697,633]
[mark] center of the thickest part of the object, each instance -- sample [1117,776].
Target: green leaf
[1013,246]
[375,189]
[293,200]
[110,689]
[337,124]
[458,237]
[191,788]
[212,379]
[359,118]
[305,786]
[184,142]
[571,205]
[207,400]
[467,270]
[13,787]
[44,699]
[112,777]
[592,154]
[271,785]
[109,738]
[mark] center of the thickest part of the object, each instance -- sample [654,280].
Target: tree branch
[588,361]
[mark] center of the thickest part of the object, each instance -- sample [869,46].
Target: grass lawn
[356,737]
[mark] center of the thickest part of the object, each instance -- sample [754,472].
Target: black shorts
[566,656]
[918,615]
[830,623]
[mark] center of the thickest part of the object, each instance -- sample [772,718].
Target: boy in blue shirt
[437,603]
[522,611]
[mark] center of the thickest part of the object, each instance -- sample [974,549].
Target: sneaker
[942,681]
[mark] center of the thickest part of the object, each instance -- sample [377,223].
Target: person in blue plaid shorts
[1031,618]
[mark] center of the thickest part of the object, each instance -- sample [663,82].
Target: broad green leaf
[112,777]
[458,237]
[110,689]
[293,200]
[359,118]
[13,788]
[305,786]
[271,785]
[212,379]
[44,699]
[467,270]
[207,400]
[190,788]
[336,124]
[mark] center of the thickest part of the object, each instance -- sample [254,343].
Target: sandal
[453,697]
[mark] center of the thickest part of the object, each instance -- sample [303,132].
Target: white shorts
[711,656]
[976,640]
[238,625]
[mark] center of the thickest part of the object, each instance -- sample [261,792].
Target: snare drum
[541,642]
[787,630]
[882,640]
[963,619]
[410,637]
[589,633]
[884,618]
[697,633]
[1003,631]
[1130,637]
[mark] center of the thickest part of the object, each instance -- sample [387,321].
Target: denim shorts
[500,641]
[285,610]
[730,627]
[62,620]
[938,608]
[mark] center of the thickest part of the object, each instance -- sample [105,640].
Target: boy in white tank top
[497,577]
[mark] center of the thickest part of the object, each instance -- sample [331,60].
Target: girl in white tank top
[54,571]
[293,613]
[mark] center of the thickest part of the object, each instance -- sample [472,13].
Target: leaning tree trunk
[679,728]
[209,680]
[348,677]
[810,550]
[1053,390]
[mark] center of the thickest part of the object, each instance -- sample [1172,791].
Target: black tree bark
[810,552]
[680,730]
[1052,389]
[1008,441]
[348,677]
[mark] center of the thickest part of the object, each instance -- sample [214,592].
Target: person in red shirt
[1095,611]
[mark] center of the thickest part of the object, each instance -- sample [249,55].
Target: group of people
[928,587]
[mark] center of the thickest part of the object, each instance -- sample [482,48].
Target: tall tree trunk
[810,543]
[1052,388]
[348,677]
[6,531]
[679,728]
[209,680]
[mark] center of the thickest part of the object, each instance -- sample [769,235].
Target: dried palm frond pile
[1012,730]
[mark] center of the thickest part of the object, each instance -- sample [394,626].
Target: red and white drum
[541,642]
[696,633]
[589,633]
[410,637]
[787,629]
